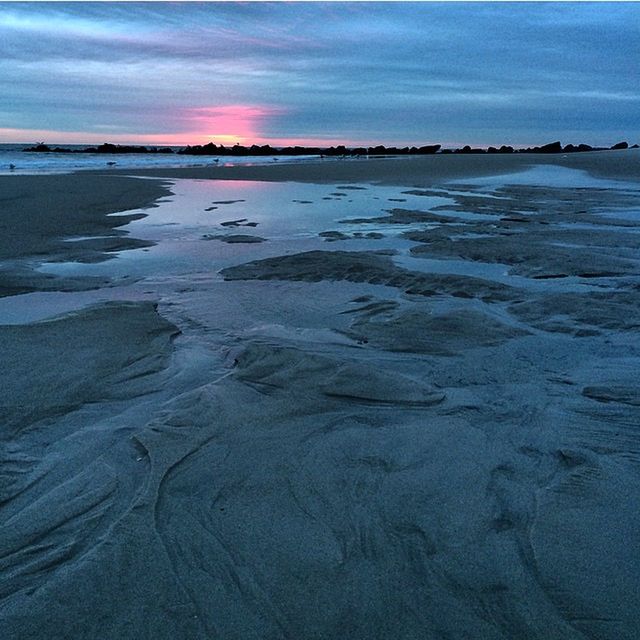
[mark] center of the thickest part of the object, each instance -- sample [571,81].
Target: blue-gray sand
[412,413]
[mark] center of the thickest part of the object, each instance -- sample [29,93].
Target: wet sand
[429,432]
[41,212]
[418,171]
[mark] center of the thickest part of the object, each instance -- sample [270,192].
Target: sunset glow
[317,73]
[228,124]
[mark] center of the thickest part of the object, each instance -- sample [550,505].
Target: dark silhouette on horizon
[210,149]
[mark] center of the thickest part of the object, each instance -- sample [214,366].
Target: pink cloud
[226,124]
[244,124]
[57,137]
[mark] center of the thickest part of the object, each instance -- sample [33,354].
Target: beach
[376,398]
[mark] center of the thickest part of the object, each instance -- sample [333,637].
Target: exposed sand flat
[235,238]
[371,267]
[430,433]
[40,212]
[267,367]
[569,312]
[20,278]
[46,365]
[415,171]
[450,333]
[535,257]
[402,216]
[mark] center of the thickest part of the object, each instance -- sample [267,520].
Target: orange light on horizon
[226,140]
[222,125]
[54,137]
[229,124]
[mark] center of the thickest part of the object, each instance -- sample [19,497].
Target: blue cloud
[481,73]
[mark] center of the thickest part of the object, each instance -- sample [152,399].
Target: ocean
[30,162]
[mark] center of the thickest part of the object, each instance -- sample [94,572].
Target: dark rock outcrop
[552,147]
[468,149]
[620,145]
[211,149]
[570,148]
[107,147]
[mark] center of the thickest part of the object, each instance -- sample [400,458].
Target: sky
[322,73]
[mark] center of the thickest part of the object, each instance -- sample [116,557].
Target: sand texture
[40,213]
[44,370]
[370,267]
[431,433]
[417,172]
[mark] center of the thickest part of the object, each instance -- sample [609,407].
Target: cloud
[391,72]
[227,124]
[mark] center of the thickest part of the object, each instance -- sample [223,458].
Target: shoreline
[40,212]
[322,423]
[407,171]
[44,209]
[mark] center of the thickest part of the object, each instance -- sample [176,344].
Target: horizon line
[312,144]
[327,145]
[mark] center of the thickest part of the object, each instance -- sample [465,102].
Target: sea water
[289,216]
[25,162]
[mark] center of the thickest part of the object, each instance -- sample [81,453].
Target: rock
[552,147]
[428,149]
[620,145]
[468,149]
[502,149]
[571,148]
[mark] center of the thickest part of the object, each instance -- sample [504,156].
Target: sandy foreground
[409,170]
[419,420]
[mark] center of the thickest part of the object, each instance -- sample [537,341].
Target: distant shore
[211,149]
[410,171]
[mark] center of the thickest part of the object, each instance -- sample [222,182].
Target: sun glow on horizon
[55,138]
[225,125]
[228,124]
[318,74]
